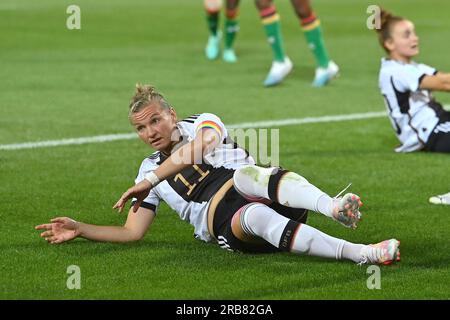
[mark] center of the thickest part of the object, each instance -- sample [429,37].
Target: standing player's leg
[231,28]
[281,65]
[292,190]
[310,24]
[256,220]
[212,8]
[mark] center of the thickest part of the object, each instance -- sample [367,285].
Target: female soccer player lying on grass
[214,185]
[420,121]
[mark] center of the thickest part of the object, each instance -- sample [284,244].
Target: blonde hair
[144,96]
[388,20]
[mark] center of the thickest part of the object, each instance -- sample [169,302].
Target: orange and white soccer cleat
[385,252]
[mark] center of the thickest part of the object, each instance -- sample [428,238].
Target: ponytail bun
[385,17]
[387,20]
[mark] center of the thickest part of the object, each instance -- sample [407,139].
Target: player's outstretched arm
[139,191]
[189,154]
[438,82]
[63,229]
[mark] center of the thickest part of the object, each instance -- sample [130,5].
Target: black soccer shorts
[439,140]
[228,206]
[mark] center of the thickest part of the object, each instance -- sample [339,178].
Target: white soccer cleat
[324,75]
[441,199]
[229,56]
[385,252]
[212,47]
[278,72]
[346,210]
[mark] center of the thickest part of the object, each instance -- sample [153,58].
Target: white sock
[295,191]
[311,241]
[352,251]
[262,221]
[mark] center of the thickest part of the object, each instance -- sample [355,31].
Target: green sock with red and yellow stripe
[212,19]
[231,27]
[313,33]
[272,27]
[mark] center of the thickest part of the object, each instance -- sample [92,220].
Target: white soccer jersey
[190,191]
[410,108]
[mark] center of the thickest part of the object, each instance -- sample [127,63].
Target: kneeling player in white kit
[222,193]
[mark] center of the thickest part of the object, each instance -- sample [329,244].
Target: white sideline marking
[245,125]
[65,142]
[297,121]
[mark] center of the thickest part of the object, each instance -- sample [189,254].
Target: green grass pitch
[57,83]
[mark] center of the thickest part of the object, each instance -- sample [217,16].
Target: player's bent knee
[239,227]
[256,183]
[263,4]
[251,182]
[256,221]
[212,6]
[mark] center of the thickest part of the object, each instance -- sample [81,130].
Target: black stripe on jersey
[146,205]
[191,119]
[162,158]
[437,107]
[403,102]
[415,129]
[199,183]
[154,155]
[397,127]
[421,78]
[435,73]
[402,98]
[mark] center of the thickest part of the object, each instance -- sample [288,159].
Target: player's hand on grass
[139,191]
[59,230]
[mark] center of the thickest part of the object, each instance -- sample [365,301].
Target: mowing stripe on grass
[245,125]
